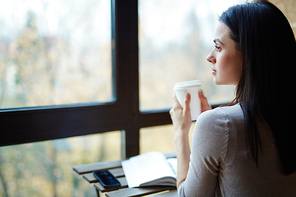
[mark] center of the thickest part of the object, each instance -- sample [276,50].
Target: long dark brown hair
[267,87]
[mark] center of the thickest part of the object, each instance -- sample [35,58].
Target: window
[160,138]
[48,165]
[53,53]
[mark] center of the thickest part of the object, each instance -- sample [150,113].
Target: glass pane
[175,38]
[160,138]
[54,52]
[45,168]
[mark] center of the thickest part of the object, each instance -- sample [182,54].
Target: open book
[150,169]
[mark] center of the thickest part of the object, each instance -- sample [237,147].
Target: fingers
[175,100]
[180,116]
[204,102]
[187,100]
[177,105]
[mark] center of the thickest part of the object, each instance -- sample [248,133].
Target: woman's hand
[203,102]
[182,121]
[181,118]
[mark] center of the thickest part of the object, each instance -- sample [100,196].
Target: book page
[173,164]
[145,168]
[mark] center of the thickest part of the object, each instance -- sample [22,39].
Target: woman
[249,147]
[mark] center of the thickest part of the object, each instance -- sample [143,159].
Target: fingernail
[201,93]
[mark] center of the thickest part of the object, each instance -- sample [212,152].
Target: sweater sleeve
[208,152]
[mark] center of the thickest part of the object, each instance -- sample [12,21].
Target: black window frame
[33,124]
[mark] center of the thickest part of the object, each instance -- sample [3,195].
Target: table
[116,169]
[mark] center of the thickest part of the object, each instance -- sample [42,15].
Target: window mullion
[125,59]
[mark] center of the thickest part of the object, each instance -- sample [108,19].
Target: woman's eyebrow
[218,40]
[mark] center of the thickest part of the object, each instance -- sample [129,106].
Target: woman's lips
[214,72]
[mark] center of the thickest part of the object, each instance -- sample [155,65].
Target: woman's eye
[218,48]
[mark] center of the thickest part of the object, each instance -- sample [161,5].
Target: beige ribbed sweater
[221,165]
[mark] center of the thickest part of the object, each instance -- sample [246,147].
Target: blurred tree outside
[52,66]
[45,168]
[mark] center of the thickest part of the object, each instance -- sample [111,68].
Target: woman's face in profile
[225,58]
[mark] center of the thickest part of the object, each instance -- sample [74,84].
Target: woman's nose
[211,58]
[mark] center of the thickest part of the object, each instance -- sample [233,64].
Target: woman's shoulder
[214,128]
[221,121]
[226,113]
